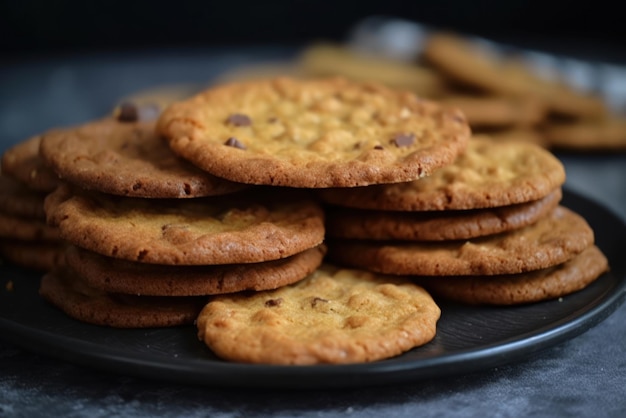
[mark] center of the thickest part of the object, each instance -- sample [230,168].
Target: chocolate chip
[239,119]
[127,112]
[270,303]
[403,140]
[273,119]
[378,147]
[234,142]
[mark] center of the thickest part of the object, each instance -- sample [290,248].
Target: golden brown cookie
[552,240]
[497,111]
[333,316]
[606,134]
[121,276]
[535,286]
[17,199]
[40,256]
[327,60]
[126,158]
[313,133]
[65,290]
[246,227]
[436,225]
[466,62]
[22,163]
[489,174]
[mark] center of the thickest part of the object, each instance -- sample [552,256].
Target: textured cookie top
[128,159]
[552,240]
[313,133]
[23,163]
[332,316]
[488,174]
[236,228]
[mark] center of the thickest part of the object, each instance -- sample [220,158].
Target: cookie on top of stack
[486,229]
[25,238]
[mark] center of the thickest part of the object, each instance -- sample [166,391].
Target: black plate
[468,338]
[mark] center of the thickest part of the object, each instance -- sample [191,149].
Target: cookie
[127,158]
[40,256]
[552,240]
[516,134]
[489,174]
[313,133]
[248,227]
[535,286]
[589,135]
[497,111]
[21,162]
[18,200]
[436,225]
[121,276]
[471,65]
[334,316]
[26,229]
[64,290]
[327,59]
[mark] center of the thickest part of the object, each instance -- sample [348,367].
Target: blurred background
[27,27]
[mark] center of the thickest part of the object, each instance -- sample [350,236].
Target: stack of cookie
[215,212]
[487,229]
[150,235]
[282,134]
[25,238]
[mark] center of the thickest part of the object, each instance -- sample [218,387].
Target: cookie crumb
[9,286]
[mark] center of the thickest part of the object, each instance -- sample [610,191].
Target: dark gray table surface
[584,376]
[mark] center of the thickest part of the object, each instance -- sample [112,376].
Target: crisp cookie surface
[245,227]
[436,225]
[65,290]
[23,163]
[128,159]
[333,316]
[313,133]
[17,199]
[544,284]
[121,276]
[489,174]
[552,240]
